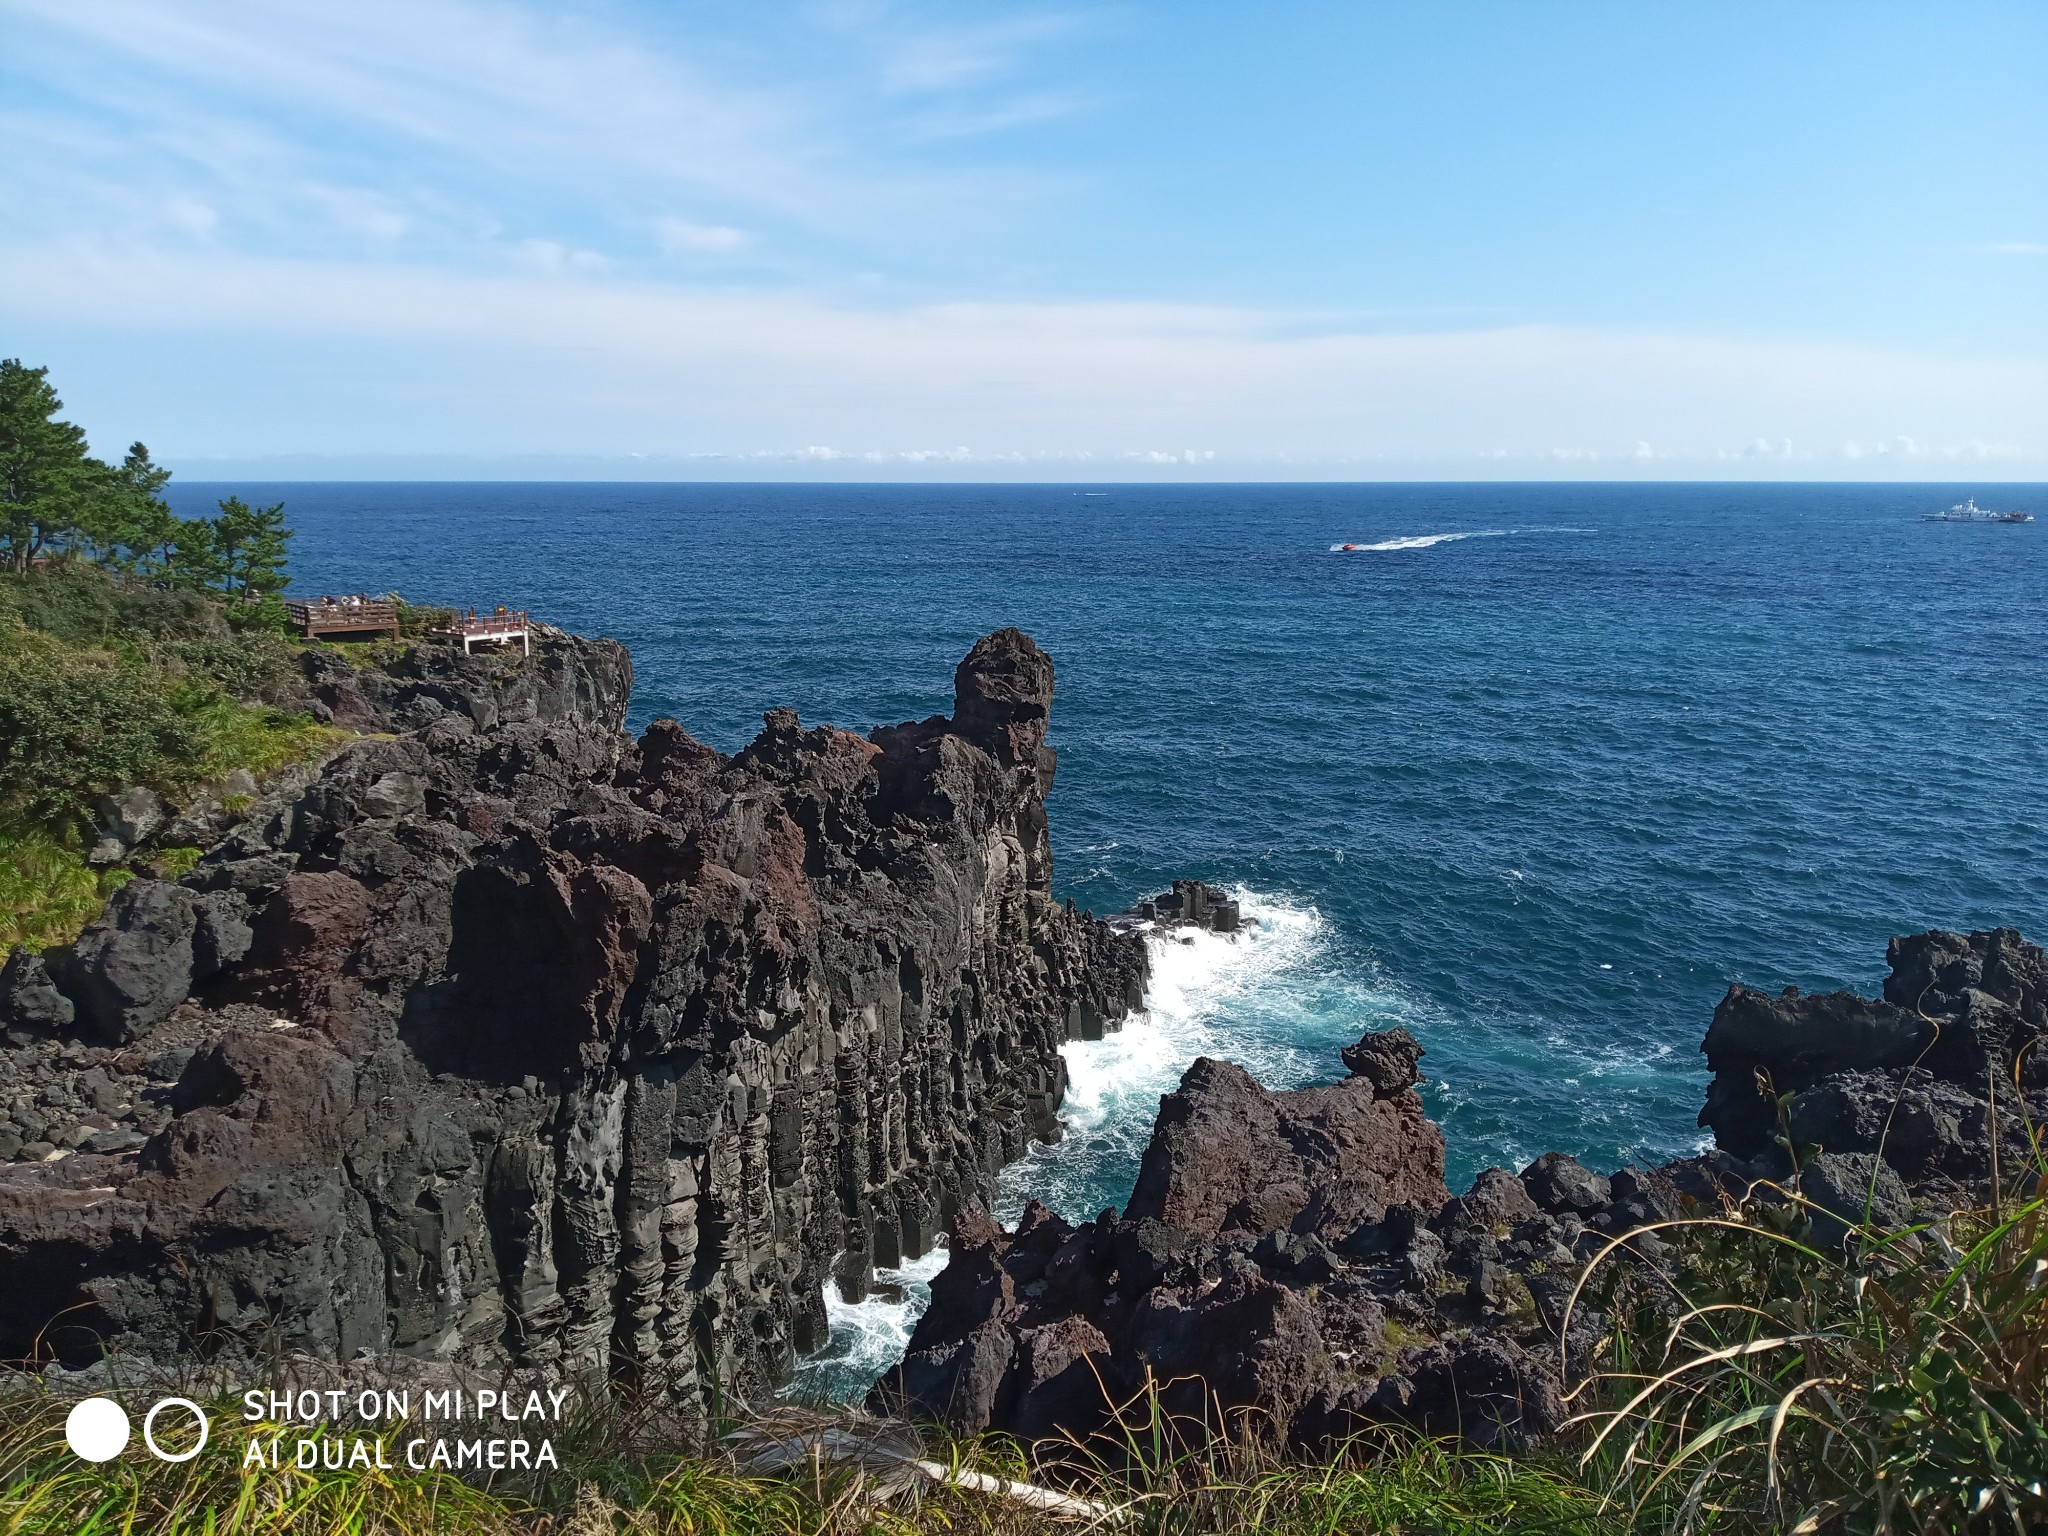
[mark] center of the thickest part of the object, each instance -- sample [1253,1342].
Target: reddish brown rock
[1227,1156]
[1290,1264]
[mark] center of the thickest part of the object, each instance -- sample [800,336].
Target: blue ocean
[1535,770]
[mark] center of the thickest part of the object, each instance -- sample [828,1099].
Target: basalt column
[509,1040]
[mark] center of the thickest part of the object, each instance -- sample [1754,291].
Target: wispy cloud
[476,226]
[685,237]
[914,57]
[449,120]
[2018,248]
[588,360]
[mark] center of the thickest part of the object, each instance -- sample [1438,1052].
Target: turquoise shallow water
[1539,791]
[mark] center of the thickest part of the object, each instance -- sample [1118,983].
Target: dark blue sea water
[1538,777]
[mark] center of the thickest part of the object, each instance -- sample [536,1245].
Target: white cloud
[2018,248]
[681,237]
[578,359]
[488,105]
[1907,448]
[192,216]
[553,256]
[1761,448]
[932,59]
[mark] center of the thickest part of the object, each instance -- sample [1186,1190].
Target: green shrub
[174,863]
[233,735]
[107,683]
[84,606]
[251,665]
[415,619]
[77,723]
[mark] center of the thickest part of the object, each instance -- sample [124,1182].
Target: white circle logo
[149,1426]
[96,1429]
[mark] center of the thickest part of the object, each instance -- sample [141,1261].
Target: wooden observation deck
[500,627]
[356,615]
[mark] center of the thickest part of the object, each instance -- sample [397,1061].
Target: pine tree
[55,496]
[144,530]
[249,544]
[46,477]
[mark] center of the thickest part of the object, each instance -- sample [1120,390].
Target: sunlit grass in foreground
[1410,1486]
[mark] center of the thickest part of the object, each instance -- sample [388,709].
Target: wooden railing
[497,628]
[355,615]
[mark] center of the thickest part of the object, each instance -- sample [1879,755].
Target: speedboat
[1969,512]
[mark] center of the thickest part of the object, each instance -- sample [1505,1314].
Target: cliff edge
[506,1039]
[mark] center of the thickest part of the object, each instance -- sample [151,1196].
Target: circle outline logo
[149,1427]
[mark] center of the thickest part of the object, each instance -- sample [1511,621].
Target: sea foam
[1203,988]
[868,1336]
[1201,982]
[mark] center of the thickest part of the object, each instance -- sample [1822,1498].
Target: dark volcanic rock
[135,964]
[1911,1078]
[1389,1059]
[1228,1156]
[1794,1041]
[1273,1238]
[506,1040]
[1191,904]
[1220,1284]
[1560,1184]
[1855,1189]
[29,1001]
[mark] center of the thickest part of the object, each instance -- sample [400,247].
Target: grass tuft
[613,1480]
[1893,1383]
[47,891]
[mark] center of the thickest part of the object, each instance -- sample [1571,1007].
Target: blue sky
[1558,238]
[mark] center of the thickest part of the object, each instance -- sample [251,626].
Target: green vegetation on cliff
[58,501]
[137,648]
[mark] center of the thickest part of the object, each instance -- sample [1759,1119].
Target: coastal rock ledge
[1292,1266]
[510,1041]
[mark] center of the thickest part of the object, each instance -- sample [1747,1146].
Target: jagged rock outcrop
[1227,1156]
[509,1040]
[1291,1264]
[1270,1242]
[1190,904]
[1918,1078]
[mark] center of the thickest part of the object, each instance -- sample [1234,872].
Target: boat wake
[1428,540]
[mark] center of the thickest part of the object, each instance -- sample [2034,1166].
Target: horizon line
[1672,480]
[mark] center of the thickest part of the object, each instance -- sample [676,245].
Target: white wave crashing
[867,1337]
[1202,986]
[1251,997]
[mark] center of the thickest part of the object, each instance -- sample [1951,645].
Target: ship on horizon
[1969,512]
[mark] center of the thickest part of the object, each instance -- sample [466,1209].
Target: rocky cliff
[1292,1265]
[504,1038]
